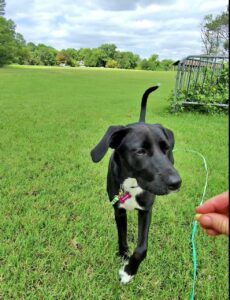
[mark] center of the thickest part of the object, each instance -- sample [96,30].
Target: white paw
[124,277]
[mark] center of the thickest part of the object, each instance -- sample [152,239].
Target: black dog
[140,168]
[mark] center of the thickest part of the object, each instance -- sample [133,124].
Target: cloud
[119,5]
[170,28]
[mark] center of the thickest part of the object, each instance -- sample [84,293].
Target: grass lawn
[57,230]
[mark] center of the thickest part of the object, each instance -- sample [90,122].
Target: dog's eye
[164,147]
[141,151]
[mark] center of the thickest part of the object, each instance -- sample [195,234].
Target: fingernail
[206,221]
[197,217]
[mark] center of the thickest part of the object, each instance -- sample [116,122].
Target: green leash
[194,229]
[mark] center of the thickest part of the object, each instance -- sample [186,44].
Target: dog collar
[121,198]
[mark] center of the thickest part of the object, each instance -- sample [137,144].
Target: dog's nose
[174,182]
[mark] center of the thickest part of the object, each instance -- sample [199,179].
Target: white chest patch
[130,185]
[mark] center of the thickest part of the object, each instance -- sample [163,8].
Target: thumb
[218,222]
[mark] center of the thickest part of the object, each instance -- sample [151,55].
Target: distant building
[81,63]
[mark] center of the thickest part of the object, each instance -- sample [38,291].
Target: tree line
[14,49]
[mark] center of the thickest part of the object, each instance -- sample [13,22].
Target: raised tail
[144,101]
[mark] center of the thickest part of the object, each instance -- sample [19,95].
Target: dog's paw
[124,255]
[124,277]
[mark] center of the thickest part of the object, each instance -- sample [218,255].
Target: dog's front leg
[121,221]
[144,219]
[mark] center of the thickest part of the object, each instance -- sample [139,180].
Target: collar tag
[124,197]
[121,198]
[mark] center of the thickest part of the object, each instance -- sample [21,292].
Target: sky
[170,28]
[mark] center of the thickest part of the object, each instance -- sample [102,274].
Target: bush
[111,63]
[214,90]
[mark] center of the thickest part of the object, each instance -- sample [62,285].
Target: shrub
[213,90]
[111,63]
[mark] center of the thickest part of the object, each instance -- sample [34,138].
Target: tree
[71,57]
[109,50]
[165,65]
[83,53]
[46,54]
[2,7]
[153,62]
[61,58]
[22,52]
[222,23]
[31,46]
[33,58]
[209,36]
[215,33]
[7,41]
[127,60]
[96,58]
[144,64]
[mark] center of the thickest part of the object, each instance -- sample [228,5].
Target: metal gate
[194,72]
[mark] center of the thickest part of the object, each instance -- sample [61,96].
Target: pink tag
[125,197]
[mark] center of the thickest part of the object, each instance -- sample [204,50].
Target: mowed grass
[57,230]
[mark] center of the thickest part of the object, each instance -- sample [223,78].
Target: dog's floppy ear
[112,139]
[170,136]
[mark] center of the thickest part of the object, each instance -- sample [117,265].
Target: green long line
[194,229]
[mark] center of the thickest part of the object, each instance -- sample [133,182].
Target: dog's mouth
[155,190]
[173,191]
[159,186]
[159,190]
[163,192]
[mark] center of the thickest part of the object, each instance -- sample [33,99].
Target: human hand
[213,215]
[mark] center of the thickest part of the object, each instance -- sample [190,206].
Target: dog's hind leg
[121,221]
[144,219]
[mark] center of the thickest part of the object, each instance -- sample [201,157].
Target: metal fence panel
[196,70]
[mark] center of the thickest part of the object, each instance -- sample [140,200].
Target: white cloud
[167,27]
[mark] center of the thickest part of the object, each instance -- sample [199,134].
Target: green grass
[57,231]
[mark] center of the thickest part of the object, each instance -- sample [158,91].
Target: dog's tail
[144,101]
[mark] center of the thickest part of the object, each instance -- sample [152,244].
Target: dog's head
[146,153]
